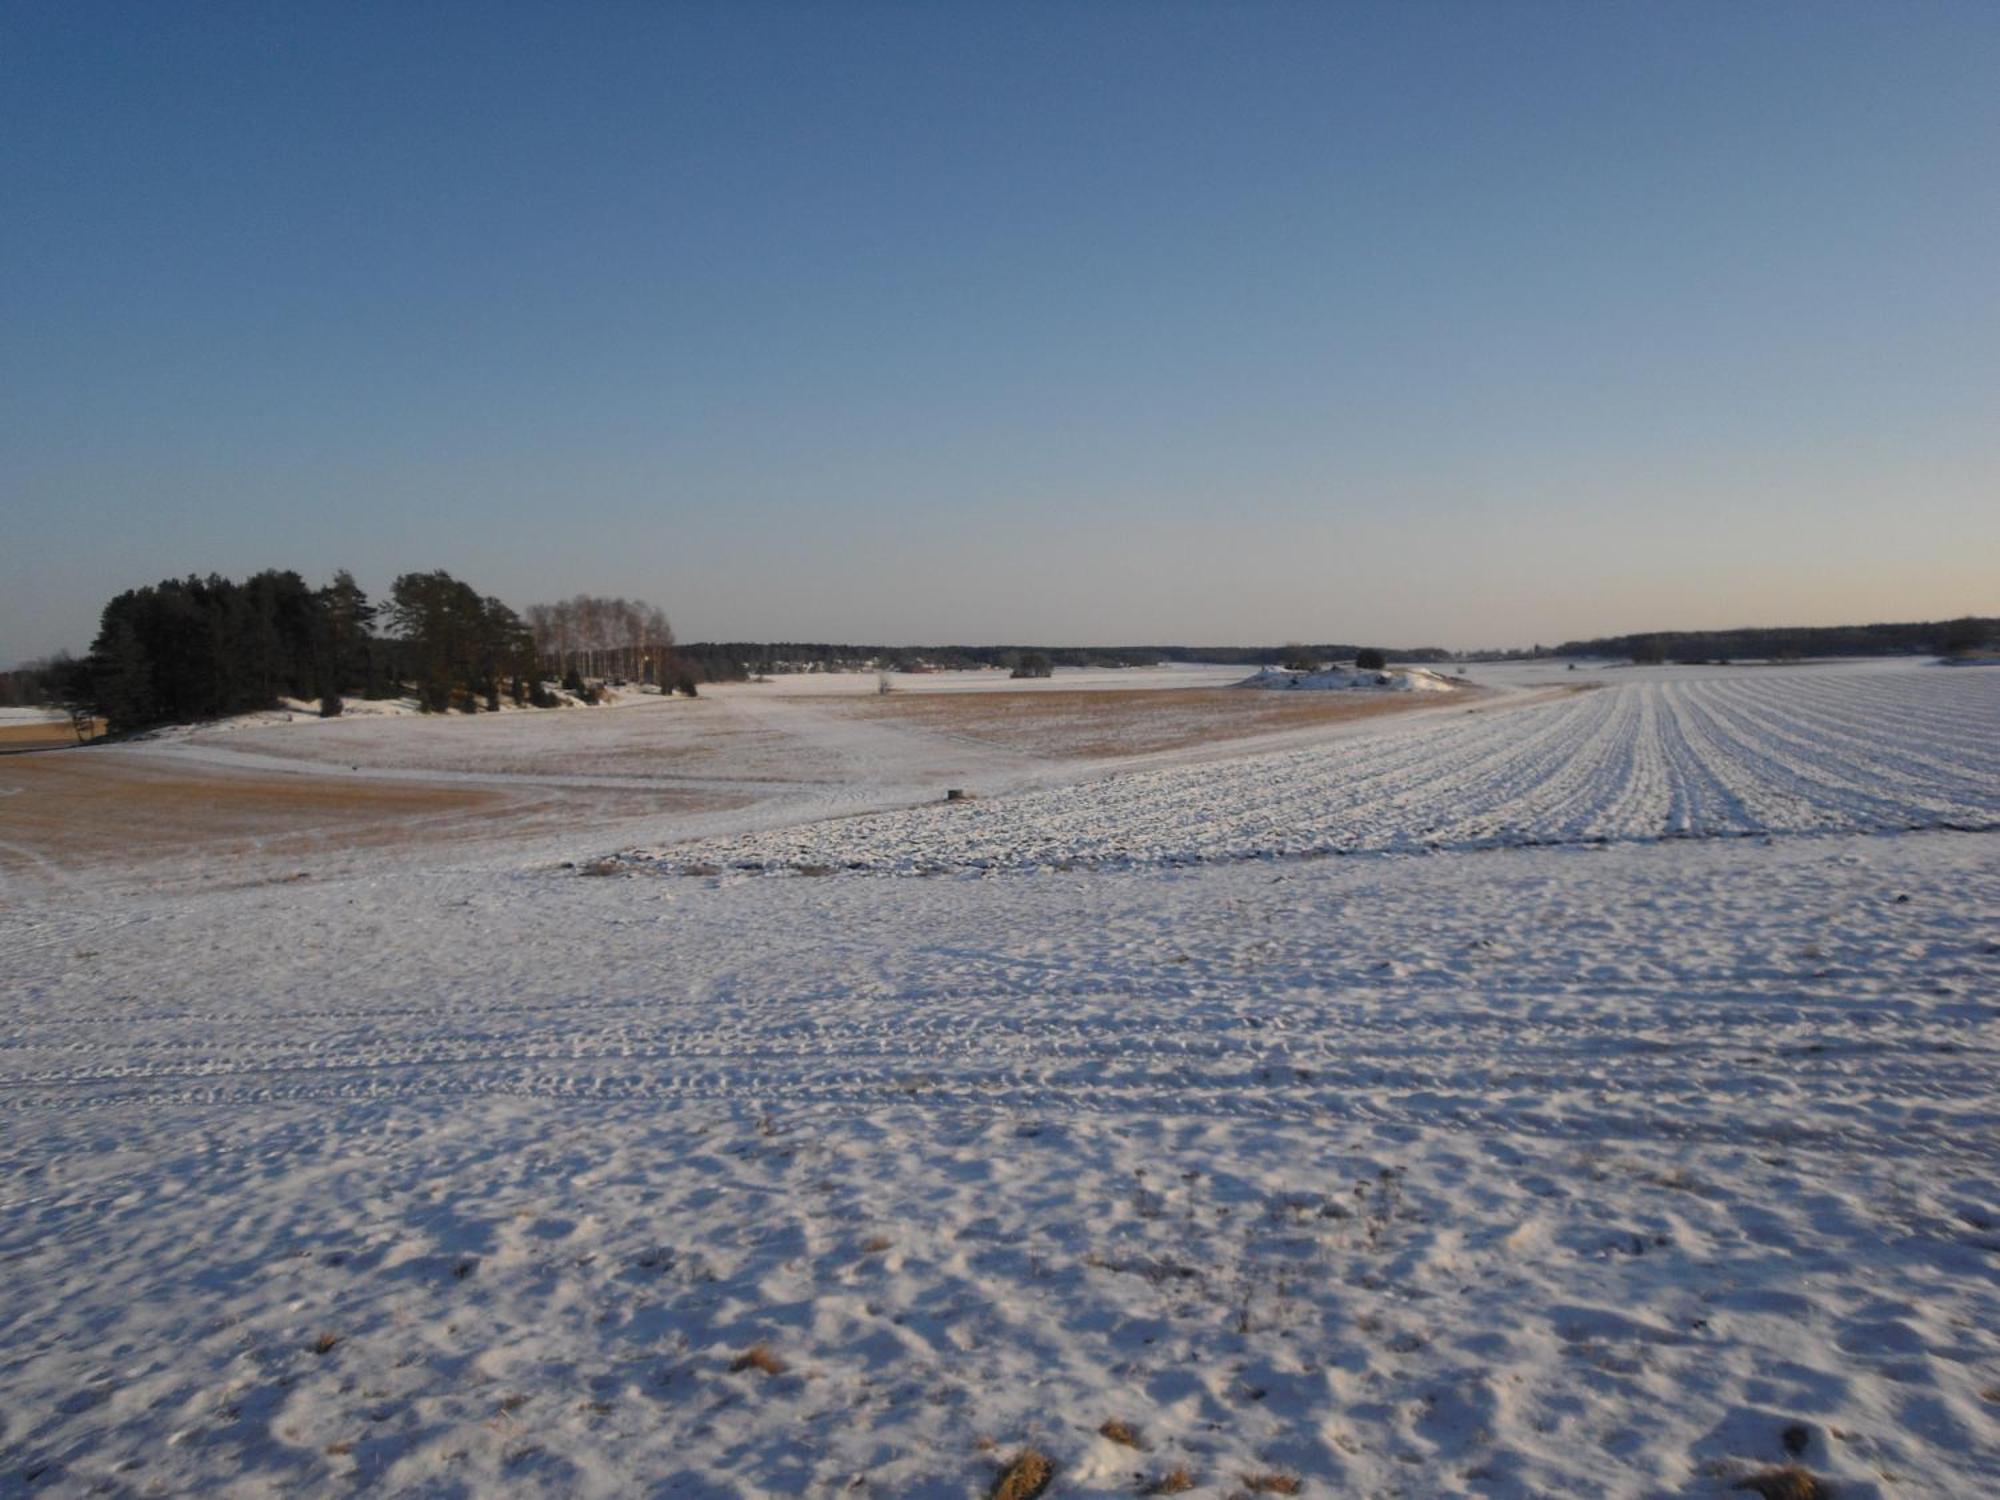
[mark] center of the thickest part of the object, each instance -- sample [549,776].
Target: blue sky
[1467,324]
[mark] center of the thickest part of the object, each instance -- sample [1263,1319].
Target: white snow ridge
[1620,1119]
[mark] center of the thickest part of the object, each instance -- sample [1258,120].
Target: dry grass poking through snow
[1025,1477]
[1273,1483]
[1789,1483]
[1120,1432]
[1176,1481]
[758,1357]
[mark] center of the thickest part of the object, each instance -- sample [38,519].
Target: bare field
[1099,725]
[81,814]
[50,734]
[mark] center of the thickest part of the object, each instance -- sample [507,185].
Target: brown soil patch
[1098,725]
[109,812]
[52,735]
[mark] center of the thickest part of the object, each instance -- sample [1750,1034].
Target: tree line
[35,684]
[187,649]
[198,648]
[1795,642]
[727,661]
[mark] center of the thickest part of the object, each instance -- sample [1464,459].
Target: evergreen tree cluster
[195,648]
[458,648]
[198,648]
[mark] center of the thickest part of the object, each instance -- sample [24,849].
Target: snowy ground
[1690,756]
[1453,1167]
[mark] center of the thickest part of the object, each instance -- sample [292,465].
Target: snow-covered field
[1456,1167]
[1690,756]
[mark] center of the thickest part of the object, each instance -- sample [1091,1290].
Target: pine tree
[347,656]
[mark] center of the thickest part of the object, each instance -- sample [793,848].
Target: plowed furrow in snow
[1768,752]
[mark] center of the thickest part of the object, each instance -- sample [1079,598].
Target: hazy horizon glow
[1114,324]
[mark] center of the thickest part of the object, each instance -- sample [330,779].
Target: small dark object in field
[958,794]
[601,867]
[1795,1438]
[326,1343]
[1789,1483]
[464,1269]
[1026,1477]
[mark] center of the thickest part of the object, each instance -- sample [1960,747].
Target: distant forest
[1781,643]
[727,661]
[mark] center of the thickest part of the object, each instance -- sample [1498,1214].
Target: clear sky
[1464,324]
